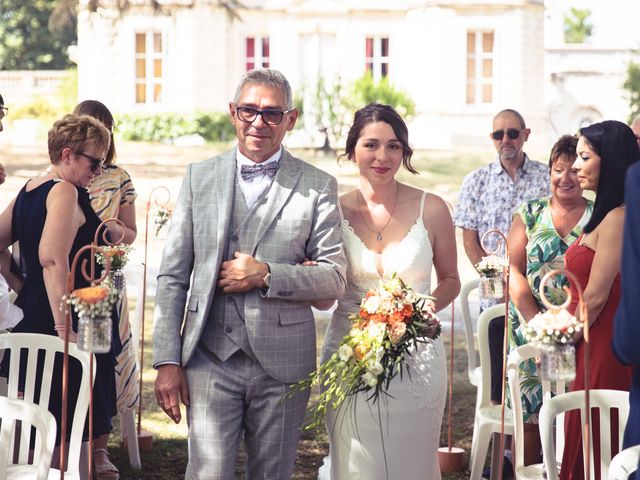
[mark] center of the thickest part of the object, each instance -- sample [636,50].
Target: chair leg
[84,461]
[496,455]
[479,452]
[129,433]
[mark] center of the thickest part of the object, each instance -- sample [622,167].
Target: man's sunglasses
[95,161]
[512,133]
[270,117]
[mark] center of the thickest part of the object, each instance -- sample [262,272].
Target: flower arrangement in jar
[93,306]
[553,332]
[491,269]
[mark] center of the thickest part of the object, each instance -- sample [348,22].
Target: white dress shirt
[254,188]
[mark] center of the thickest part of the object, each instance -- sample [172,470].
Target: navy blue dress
[29,215]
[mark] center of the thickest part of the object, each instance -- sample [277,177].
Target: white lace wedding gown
[403,428]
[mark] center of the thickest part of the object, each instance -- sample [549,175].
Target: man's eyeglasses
[95,161]
[512,133]
[4,111]
[270,117]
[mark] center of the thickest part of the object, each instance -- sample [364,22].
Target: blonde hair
[74,132]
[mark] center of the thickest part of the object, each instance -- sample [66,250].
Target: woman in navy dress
[51,218]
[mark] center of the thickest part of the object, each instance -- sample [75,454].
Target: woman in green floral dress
[541,232]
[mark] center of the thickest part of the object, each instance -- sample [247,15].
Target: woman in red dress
[605,151]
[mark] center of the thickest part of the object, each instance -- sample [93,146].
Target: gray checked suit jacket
[303,222]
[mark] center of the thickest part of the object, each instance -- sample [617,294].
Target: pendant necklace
[378,233]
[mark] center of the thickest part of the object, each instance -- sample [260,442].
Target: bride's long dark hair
[377,112]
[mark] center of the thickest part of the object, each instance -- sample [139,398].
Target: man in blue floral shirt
[488,197]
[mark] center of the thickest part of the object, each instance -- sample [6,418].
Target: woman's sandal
[104,471]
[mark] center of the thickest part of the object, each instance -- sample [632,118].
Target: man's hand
[171,387]
[242,274]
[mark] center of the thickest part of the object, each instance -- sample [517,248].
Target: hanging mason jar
[116,278]
[94,333]
[558,362]
[491,287]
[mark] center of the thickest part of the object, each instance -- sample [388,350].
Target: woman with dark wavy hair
[390,227]
[605,152]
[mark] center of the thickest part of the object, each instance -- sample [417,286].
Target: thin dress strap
[424,197]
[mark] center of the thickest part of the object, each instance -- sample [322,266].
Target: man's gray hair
[269,77]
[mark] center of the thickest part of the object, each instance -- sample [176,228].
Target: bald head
[513,113]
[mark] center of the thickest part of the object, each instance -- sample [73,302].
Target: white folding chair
[603,401]
[475,375]
[47,346]
[29,415]
[488,417]
[624,463]
[515,359]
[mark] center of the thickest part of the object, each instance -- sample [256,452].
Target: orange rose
[91,295]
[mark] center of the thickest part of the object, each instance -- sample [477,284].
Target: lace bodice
[411,259]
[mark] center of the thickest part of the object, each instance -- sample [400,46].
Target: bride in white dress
[388,228]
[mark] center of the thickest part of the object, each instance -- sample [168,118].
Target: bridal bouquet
[390,320]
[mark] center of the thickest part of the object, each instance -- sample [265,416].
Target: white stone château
[460,61]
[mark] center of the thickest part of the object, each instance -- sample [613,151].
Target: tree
[577,27]
[32,38]
[632,85]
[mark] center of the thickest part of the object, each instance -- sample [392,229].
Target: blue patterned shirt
[489,197]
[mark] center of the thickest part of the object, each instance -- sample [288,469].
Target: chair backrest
[603,401]
[484,389]
[41,352]
[624,463]
[515,359]
[472,363]
[29,414]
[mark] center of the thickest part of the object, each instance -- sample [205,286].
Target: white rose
[375,368]
[370,379]
[345,352]
[371,304]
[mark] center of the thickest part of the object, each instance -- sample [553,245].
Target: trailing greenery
[577,27]
[157,127]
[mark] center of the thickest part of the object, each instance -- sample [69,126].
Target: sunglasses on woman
[512,133]
[95,161]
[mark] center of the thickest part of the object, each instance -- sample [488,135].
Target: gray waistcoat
[226,332]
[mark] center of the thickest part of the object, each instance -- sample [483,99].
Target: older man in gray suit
[243,224]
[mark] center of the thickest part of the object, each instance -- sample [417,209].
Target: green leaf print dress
[545,252]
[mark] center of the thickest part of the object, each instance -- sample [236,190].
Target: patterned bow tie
[250,171]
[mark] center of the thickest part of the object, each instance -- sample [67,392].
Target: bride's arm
[439,224]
